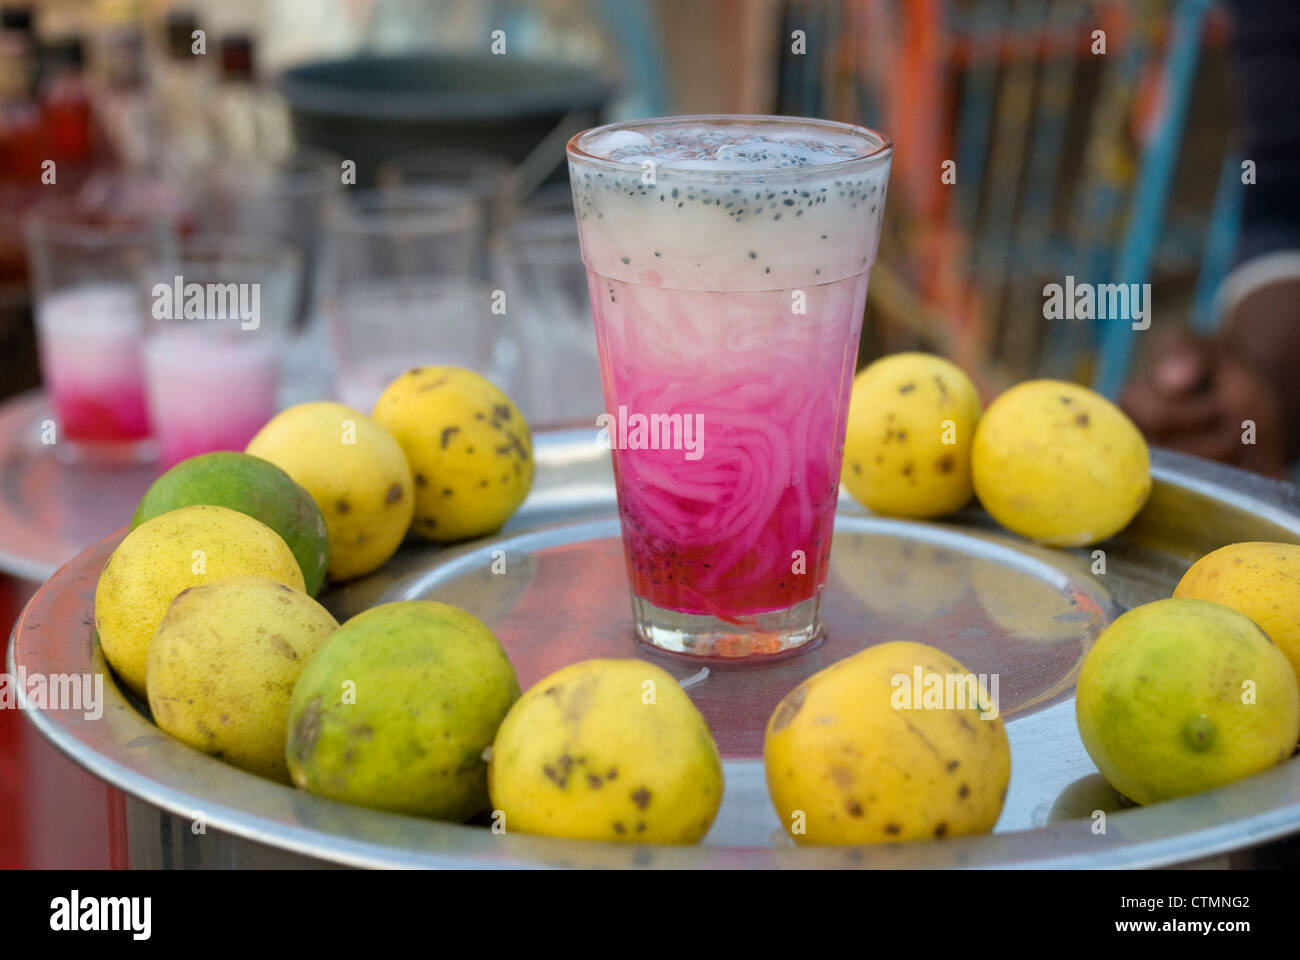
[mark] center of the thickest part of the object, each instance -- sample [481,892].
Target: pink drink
[728,293]
[209,393]
[90,360]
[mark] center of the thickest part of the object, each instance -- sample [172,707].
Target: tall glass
[727,260]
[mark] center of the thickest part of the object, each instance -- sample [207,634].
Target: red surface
[52,813]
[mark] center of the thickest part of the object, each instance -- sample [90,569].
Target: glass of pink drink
[727,260]
[89,330]
[217,319]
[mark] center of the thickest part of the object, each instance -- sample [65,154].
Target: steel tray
[1000,605]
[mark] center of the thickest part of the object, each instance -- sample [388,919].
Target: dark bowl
[370,108]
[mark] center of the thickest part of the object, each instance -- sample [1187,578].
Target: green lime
[251,485]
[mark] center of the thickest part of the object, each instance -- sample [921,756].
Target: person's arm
[1196,394]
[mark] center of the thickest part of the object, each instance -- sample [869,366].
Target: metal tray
[997,603]
[49,510]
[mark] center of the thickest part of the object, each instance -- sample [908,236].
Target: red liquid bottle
[65,102]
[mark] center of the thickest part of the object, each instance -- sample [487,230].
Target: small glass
[487,178]
[217,318]
[727,261]
[541,270]
[397,290]
[83,269]
[287,200]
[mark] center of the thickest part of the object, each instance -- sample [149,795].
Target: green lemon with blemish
[396,709]
[1181,696]
[1198,733]
[253,486]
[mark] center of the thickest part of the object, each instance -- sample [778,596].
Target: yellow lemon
[356,473]
[607,750]
[1060,464]
[898,742]
[1261,580]
[469,448]
[907,446]
[223,663]
[163,556]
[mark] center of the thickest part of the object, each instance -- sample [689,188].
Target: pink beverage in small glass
[90,361]
[209,393]
[727,263]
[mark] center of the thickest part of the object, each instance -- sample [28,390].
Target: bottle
[182,93]
[65,102]
[250,121]
[122,102]
[20,153]
[20,128]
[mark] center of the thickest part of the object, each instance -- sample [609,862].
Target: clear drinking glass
[727,260]
[396,288]
[88,327]
[486,177]
[217,320]
[287,200]
[540,269]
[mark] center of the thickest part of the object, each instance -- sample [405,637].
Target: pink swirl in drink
[727,262]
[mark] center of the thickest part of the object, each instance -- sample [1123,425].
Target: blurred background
[390,173]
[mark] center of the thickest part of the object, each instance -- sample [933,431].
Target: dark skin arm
[1195,394]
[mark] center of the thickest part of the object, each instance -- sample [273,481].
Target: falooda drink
[727,262]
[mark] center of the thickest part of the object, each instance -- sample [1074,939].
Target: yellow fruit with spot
[1060,464]
[223,663]
[607,750]
[165,555]
[898,742]
[469,447]
[354,470]
[907,447]
[1183,695]
[1261,580]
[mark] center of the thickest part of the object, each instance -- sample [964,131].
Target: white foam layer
[732,207]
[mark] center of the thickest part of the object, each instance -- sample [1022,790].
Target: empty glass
[541,270]
[396,288]
[485,177]
[287,201]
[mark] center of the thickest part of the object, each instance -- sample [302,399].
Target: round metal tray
[50,510]
[998,604]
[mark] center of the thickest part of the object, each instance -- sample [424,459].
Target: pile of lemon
[1175,697]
